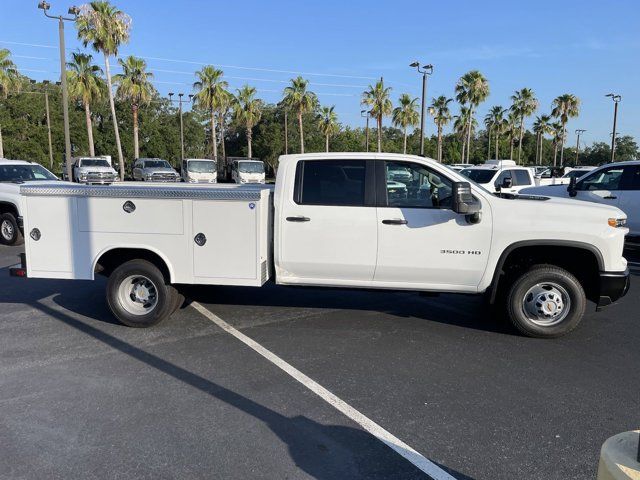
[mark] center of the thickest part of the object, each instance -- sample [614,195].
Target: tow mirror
[507,182]
[572,189]
[463,201]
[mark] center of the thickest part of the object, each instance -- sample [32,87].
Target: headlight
[617,222]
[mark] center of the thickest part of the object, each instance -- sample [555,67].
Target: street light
[74,11]
[180,102]
[616,99]
[579,132]
[366,113]
[426,70]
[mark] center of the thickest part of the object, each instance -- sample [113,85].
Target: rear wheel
[9,231]
[546,302]
[138,294]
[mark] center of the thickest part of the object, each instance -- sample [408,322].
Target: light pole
[44,6]
[426,70]
[616,99]
[366,113]
[180,102]
[578,133]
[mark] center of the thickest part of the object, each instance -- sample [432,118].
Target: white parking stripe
[369,425]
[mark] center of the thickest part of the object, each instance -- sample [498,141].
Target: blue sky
[587,48]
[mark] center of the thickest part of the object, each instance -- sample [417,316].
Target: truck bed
[205,234]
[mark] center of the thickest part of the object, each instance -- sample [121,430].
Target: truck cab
[247,171]
[154,170]
[94,170]
[501,176]
[199,170]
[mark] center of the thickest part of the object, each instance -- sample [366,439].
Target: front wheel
[138,294]
[546,302]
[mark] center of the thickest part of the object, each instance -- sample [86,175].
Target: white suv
[500,176]
[12,174]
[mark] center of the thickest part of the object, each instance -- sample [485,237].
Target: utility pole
[426,70]
[180,102]
[578,133]
[44,6]
[365,113]
[616,99]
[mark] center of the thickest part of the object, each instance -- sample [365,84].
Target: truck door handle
[395,221]
[299,218]
[610,197]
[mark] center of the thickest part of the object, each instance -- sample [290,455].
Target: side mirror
[507,182]
[463,201]
[572,189]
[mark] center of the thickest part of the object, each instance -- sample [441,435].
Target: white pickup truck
[331,221]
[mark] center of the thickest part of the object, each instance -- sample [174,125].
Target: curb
[620,457]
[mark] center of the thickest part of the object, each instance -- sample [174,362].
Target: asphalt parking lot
[84,397]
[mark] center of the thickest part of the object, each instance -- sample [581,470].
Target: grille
[163,177]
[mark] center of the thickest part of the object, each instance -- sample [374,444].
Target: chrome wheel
[7,230]
[138,295]
[546,304]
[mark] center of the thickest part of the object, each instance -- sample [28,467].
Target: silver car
[154,170]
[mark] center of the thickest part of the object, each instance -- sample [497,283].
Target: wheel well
[6,207]
[581,262]
[112,259]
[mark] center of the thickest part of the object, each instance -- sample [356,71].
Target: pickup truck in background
[332,220]
[154,170]
[92,170]
[501,176]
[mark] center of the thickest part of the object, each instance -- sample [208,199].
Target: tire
[9,231]
[545,302]
[138,294]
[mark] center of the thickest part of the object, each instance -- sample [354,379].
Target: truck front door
[422,243]
[328,224]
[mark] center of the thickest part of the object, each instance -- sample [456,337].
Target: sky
[588,48]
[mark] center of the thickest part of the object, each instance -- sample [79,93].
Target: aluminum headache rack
[176,191]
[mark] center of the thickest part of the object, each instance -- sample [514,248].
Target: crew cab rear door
[422,243]
[328,231]
[629,201]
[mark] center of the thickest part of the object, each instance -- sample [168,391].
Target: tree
[379,103]
[524,104]
[540,127]
[224,107]
[557,133]
[461,127]
[299,99]
[9,80]
[441,114]
[211,94]
[472,89]
[495,119]
[406,115]
[85,86]
[328,123]
[511,128]
[106,28]
[247,111]
[565,106]
[134,86]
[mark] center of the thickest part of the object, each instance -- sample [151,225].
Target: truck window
[504,174]
[412,185]
[521,177]
[330,182]
[633,180]
[605,179]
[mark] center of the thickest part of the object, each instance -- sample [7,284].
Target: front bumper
[613,286]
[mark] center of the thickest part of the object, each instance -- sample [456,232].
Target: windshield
[23,173]
[93,162]
[478,175]
[201,166]
[576,174]
[156,164]
[251,167]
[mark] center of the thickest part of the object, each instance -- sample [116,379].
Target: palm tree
[557,132]
[328,124]
[441,114]
[564,107]
[9,81]
[511,128]
[298,98]
[472,89]
[247,111]
[106,28]
[226,102]
[406,115]
[495,118]
[134,86]
[488,124]
[211,94]
[377,98]
[524,104]
[540,127]
[461,126]
[85,86]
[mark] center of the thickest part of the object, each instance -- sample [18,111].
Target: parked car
[199,170]
[154,170]
[247,170]
[560,175]
[615,184]
[13,173]
[331,221]
[500,176]
[92,170]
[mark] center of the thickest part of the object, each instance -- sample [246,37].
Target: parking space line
[417,459]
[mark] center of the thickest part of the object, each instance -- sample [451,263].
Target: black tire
[545,275]
[9,231]
[166,300]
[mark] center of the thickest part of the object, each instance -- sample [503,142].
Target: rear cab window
[331,183]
